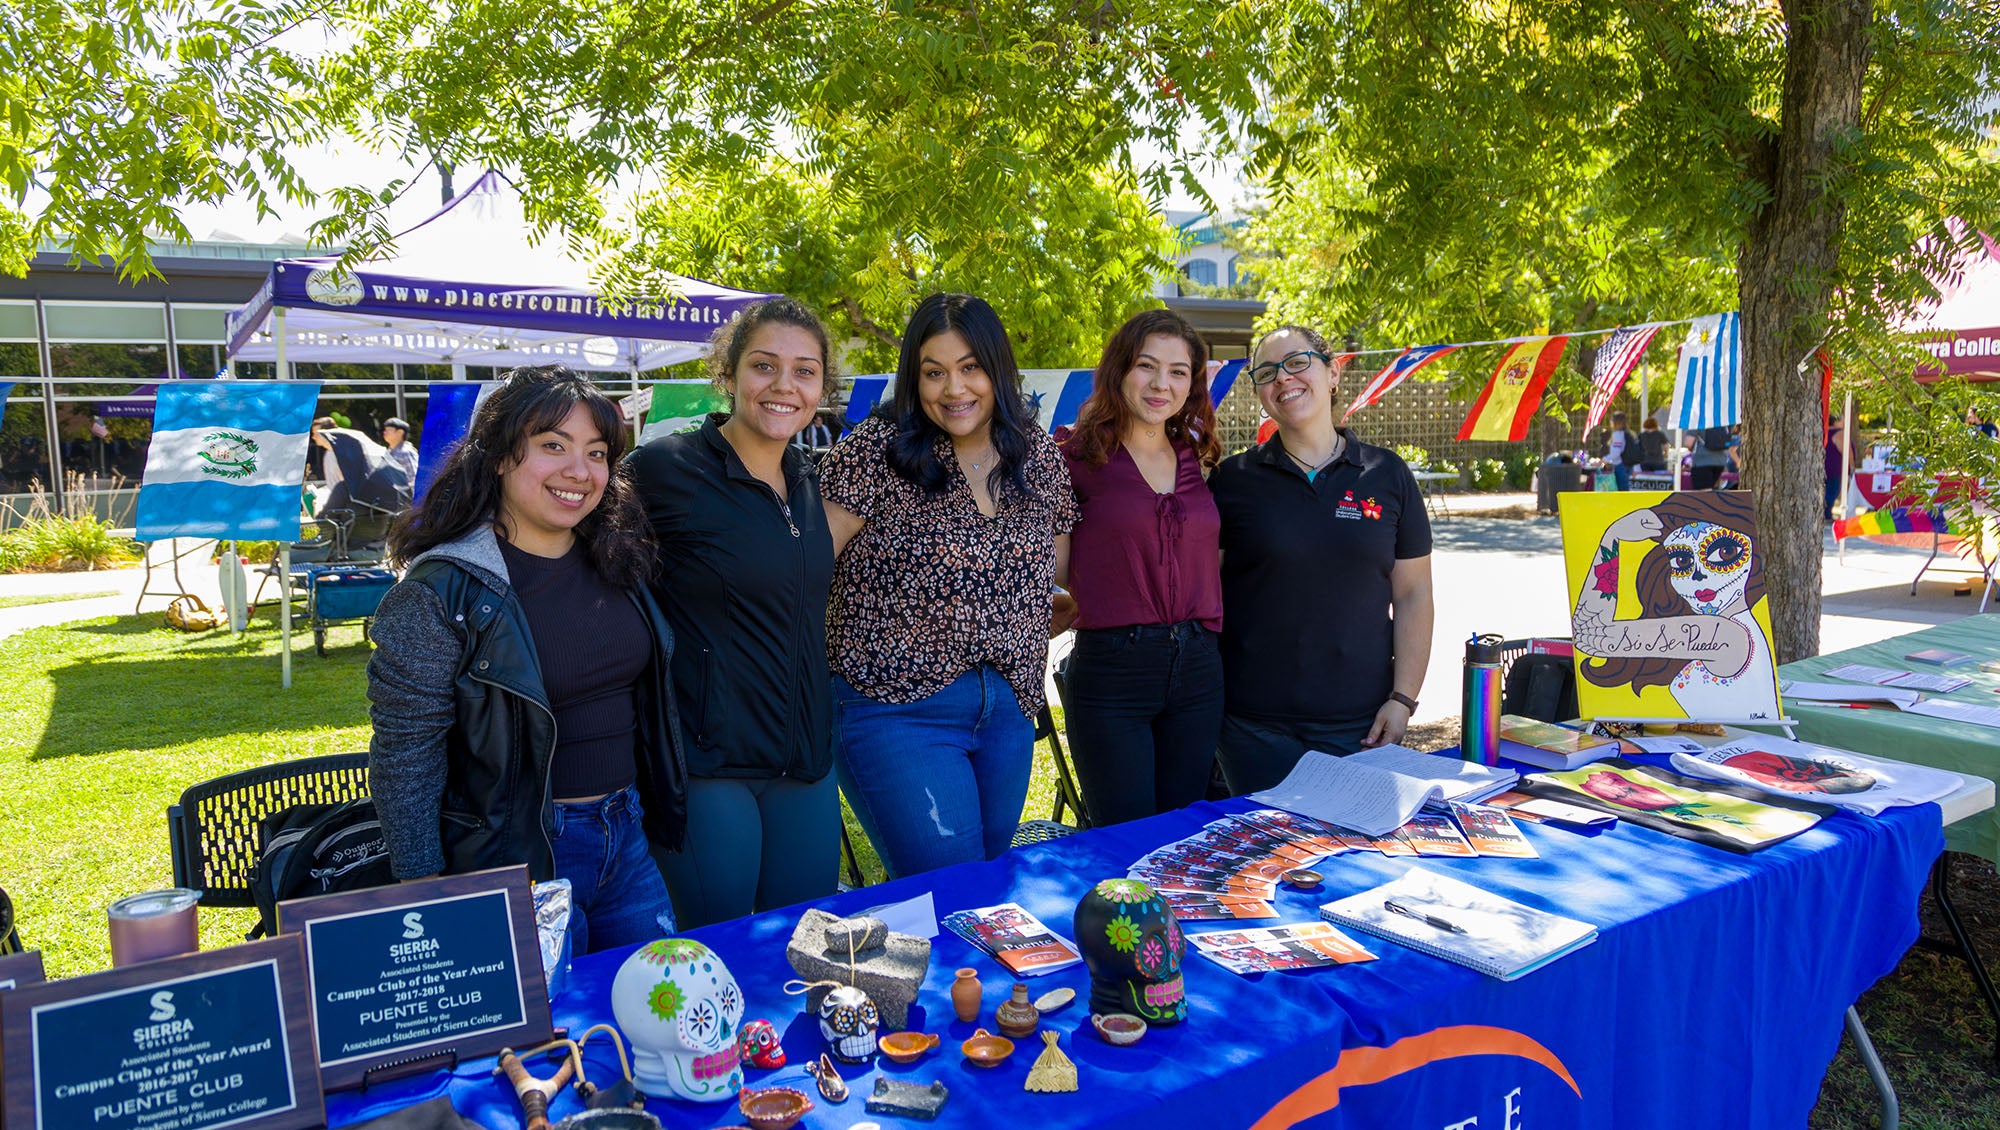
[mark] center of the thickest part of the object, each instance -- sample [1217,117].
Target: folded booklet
[1733,817]
[1014,938]
[1376,791]
[1831,776]
[1461,923]
[1549,746]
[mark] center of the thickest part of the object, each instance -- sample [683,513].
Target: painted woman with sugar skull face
[1696,634]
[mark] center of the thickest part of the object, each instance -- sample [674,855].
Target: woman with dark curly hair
[951,512]
[745,563]
[519,688]
[1144,697]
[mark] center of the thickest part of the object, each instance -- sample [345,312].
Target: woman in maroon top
[1143,702]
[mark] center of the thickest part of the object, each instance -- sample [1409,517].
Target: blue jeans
[1623,475]
[937,781]
[617,897]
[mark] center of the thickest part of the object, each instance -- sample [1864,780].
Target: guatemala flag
[447,417]
[227,461]
[1708,390]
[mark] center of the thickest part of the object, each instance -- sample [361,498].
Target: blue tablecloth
[1713,996]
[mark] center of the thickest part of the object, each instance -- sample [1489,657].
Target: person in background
[1984,427]
[1326,578]
[1143,704]
[745,565]
[396,437]
[816,436]
[317,448]
[951,512]
[519,687]
[1710,459]
[1835,440]
[1621,452]
[1652,446]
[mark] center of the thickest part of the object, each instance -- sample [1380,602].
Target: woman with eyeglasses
[1144,694]
[1326,577]
[950,511]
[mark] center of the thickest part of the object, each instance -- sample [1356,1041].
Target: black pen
[1431,920]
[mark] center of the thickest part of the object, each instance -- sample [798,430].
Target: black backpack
[1635,452]
[1542,687]
[317,849]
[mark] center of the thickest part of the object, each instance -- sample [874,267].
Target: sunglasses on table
[1293,363]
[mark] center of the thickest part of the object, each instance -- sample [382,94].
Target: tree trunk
[1786,270]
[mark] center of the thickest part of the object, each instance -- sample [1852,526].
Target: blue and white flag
[227,461]
[6,390]
[447,419]
[1708,389]
[1056,395]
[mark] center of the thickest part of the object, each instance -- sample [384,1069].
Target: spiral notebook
[1460,923]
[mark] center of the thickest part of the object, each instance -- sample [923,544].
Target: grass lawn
[50,598]
[105,721]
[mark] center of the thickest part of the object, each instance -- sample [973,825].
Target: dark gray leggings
[753,845]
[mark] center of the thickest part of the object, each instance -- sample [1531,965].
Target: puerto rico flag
[1514,390]
[227,461]
[1395,373]
[1708,389]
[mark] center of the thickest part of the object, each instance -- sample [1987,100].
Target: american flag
[1393,374]
[1616,359]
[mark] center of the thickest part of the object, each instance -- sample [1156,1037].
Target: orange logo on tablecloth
[1358,1067]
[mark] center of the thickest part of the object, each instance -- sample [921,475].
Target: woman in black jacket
[746,561]
[519,688]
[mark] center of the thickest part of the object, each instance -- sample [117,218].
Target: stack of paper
[1377,791]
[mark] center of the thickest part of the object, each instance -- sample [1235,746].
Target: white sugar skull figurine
[847,1019]
[680,1009]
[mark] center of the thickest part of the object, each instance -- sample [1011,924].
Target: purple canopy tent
[472,286]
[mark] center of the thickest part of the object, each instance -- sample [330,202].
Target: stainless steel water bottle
[1479,712]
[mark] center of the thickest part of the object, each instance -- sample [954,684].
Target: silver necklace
[1339,441]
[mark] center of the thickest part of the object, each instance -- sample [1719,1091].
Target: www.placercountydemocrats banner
[227,461]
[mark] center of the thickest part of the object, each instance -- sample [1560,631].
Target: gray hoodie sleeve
[412,704]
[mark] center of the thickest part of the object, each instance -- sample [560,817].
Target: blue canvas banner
[1055,394]
[227,461]
[446,421]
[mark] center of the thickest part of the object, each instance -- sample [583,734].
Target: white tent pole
[1846,463]
[1645,388]
[278,330]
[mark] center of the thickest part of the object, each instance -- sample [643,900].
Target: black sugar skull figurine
[1133,947]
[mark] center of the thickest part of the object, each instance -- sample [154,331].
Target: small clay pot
[1017,1018]
[773,1108]
[985,1049]
[1120,1028]
[965,995]
[906,1047]
[1302,878]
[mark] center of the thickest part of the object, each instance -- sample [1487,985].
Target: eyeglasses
[1293,363]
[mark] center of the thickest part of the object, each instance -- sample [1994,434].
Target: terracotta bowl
[1302,878]
[985,1049]
[906,1047]
[1054,999]
[1120,1028]
[773,1108]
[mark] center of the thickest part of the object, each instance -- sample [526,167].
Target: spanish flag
[1511,397]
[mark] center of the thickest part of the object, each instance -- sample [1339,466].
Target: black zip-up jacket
[459,762]
[744,580]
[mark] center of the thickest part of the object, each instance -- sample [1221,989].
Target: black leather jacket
[494,807]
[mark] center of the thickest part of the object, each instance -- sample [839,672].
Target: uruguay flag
[447,418]
[1708,389]
[227,461]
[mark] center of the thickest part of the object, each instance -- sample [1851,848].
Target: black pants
[1704,478]
[1256,753]
[1143,706]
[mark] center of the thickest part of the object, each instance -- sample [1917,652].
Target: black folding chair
[213,833]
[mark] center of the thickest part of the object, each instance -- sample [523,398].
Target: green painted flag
[680,407]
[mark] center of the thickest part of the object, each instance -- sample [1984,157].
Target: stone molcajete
[863,953]
[1133,947]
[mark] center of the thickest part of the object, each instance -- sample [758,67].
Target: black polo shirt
[1306,631]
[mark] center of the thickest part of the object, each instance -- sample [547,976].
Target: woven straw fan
[1053,1070]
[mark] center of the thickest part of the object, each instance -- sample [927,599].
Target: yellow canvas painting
[1668,608]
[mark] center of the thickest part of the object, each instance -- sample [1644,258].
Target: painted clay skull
[847,1019]
[1709,566]
[680,1010]
[759,1044]
[1133,947]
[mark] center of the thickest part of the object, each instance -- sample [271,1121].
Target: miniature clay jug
[1016,1017]
[965,995]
